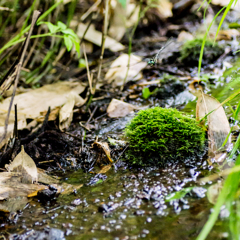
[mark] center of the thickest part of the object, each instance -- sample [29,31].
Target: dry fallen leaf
[95,37]
[213,192]
[47,179]
[24,164]
[165,9]
[119,108]
[218,125]
[118,69]
[66,112]
[14,194]
[118,22]
[223,3]
[105,169]
[227,34]
[184,36]
[104,152]
[13,204]
[69,188]
[32,103]
[11,186]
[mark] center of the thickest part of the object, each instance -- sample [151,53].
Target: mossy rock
[190,52]
[158,135]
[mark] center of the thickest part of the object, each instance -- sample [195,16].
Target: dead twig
[90,76]
[104,35]
[90,10]
[18,69]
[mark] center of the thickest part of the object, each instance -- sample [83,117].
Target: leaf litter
[34,103]
[20,183]
[24,164]
[218,125]
[119,108]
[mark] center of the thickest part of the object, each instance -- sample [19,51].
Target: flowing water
[127,203]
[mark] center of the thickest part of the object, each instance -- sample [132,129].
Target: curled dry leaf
[119,68]
[66,112]
[213,192]
[11,186]
[24,164]
[165,9]
[184,36]
[95,37]
[227,34]
[119,108]
[105,169]
[35,102]
[118,22]
[218,125]
[69,188]
[13,204]
[32,103]
[104,152]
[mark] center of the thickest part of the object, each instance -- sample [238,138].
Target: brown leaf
[118,69]
[227,34]
[68,188]
[118,22]
[218,125]
[165,8]
[24,164]
[213,192]
[47,179]
[32,103]
[95,37]
[66,112]
[11,186]
[119,108]
[13,204]
[104,153]
[105,169]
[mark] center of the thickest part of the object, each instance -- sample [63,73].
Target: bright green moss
[157,135]
[191,50]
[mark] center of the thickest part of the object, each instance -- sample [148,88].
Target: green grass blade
[228,190]
[14,40]
[204,41]
[224,15]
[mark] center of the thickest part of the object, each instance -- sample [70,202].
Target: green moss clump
[157,135]
[190,52]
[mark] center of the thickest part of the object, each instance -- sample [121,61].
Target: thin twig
[121,155]
[88,72]
[104,35]
[16,123]
[32,48]
[130,44]
[91,9]
[91,115]
[18,70]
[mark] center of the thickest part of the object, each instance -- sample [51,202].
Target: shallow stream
[127,203]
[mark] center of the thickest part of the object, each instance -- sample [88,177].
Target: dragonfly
[153,61]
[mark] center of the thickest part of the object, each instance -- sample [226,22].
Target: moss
[157,135]
[190,52]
